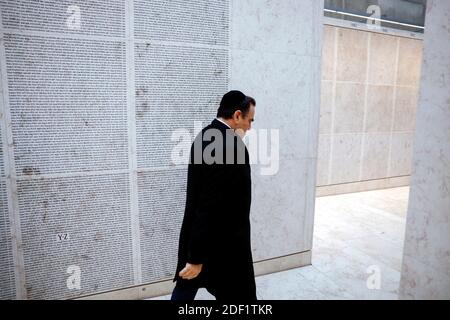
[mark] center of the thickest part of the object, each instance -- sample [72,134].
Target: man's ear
[236,115]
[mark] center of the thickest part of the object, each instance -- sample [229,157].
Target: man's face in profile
[244,123]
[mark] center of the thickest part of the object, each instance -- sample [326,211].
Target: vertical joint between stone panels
[11,178]
[366,92]
[316,81]
[230,37]
[317,12]
[132,156]
[394,102]
[313,126]
[333,103]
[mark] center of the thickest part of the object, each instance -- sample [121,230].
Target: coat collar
[219,124]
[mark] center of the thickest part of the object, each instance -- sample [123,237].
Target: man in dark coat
[214,246]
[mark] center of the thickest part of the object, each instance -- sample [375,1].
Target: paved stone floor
[358,237]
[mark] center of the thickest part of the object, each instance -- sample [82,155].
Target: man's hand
[190,271]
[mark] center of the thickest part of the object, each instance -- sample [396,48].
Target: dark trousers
[183,293]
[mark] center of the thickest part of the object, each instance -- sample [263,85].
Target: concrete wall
[88,190]
[275,57]
[426,260]
[368,104]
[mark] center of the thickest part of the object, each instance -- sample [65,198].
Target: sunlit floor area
[357,251]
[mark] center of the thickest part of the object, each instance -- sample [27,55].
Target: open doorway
[370,86]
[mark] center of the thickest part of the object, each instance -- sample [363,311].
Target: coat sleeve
[205,223]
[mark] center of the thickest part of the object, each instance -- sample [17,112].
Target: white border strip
[131,111]
[61,35]
[10,173]
[94,173]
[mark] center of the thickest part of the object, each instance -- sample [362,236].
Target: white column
[275,57]
[426,261]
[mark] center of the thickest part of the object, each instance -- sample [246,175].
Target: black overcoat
[216,226]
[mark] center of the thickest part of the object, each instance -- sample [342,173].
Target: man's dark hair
[233,101]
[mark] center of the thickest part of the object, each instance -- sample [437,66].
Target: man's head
[238,110]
